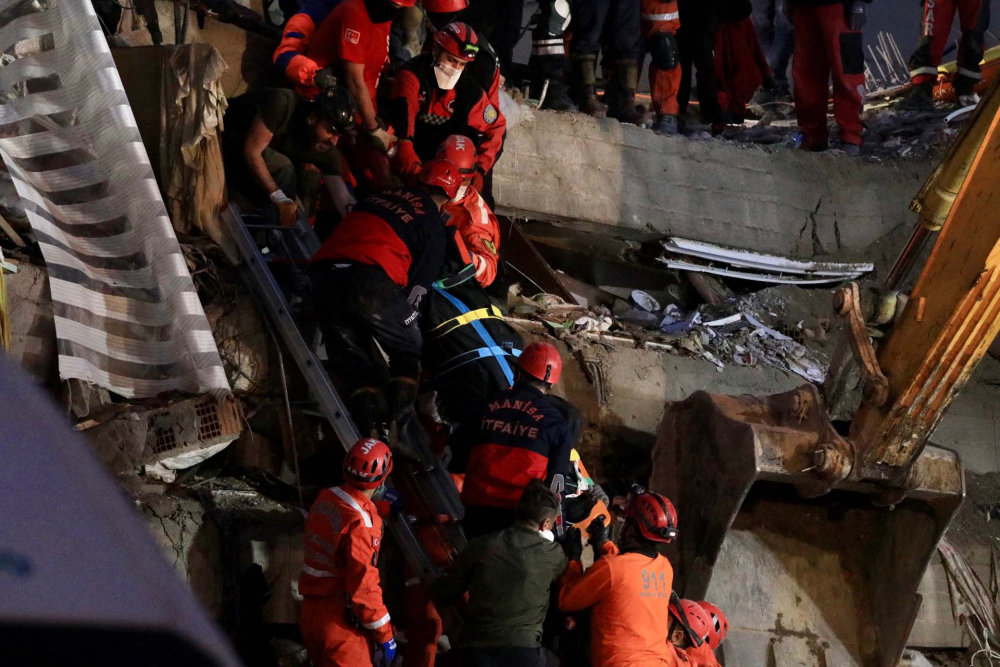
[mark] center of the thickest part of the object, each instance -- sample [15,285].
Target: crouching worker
[696,631]
[628,590]
[278,146]
[343,620]
[508,576]
[518,435]
[368,281]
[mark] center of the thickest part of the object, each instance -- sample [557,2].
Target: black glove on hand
[858,15]
[597,534]
[571,544]
[325,78]
[578,508]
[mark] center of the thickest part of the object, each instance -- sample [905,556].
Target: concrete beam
[604,176]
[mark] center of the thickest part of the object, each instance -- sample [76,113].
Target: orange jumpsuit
[630,599]
[479,229]
[343,613]
[659,16]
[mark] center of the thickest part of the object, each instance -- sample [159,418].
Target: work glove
[599,494]
[857,17]
[597,535]
[571,544]
[325,78]
[406,163]
[380,138]
[288,212]
[388,653]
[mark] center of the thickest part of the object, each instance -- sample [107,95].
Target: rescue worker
[935,35]
[277,147]
[691,634]
[350,43]
[828,43]
[614,26]
[369,278]
[628,591]
[696,41]
[431,100]
[660,22]
[547,61]
[485,69]
[343,615]
[519,434]
[740,64]
[508,576]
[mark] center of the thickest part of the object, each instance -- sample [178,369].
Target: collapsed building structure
[589,204]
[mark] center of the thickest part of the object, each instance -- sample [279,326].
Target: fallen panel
[757,260]
[749,275]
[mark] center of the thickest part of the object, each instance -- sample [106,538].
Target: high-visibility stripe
[377,624]
[550,50]
[313,572]
[547,42]
[497,353]
[412,581]
[480,264]
[924,70]
[484,335]
[490,313]
[969,73]
[346,497]
[671,16]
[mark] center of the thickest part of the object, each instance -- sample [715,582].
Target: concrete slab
[605,176]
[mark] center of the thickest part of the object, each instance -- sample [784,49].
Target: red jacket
[425,114]
[480,231]
[342,538]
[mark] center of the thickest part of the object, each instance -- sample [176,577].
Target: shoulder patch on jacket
[490,246]
[352,36]
[490,114]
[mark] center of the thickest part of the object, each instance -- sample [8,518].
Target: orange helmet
[442,174]
[460,151]
[654,515]
[694,619]
[541,361]
[445,6]
[459,40]
[720,626]
[367,464]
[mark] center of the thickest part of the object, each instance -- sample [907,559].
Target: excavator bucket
[813,566]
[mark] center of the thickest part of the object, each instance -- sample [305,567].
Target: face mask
[547,534]
[446,75]
[462,189]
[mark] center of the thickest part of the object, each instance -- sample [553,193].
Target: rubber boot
[367,406]
[920,98]
[620,95]
[584,86]
[666,124]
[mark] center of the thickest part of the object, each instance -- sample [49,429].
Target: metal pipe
[907,258]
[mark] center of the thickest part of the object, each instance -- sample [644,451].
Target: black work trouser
[508,656]
[500,22]
[609,24]
[696,41]
[358,304]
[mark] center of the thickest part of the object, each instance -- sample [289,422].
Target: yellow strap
[490,313]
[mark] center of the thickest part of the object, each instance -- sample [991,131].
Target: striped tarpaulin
[126,312]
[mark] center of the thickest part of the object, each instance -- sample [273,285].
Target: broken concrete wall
[33,330]
[600,175]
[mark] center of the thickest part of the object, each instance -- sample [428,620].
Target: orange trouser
[663,84]
[329,638]
[423,627]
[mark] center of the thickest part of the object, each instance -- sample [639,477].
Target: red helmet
[403,3]
[443,174]
[459,40]
[367,464]
[655,516]
[541,361]
[445,6]
[460,151]
[698,624]
[720,626]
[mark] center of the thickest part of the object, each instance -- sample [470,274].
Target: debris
[645,301]
[960,115]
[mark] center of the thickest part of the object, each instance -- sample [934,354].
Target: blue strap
[484,334]
[497,353]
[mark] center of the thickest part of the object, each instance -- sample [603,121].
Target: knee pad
[663,50]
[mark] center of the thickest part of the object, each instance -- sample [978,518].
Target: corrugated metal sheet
[126,311]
